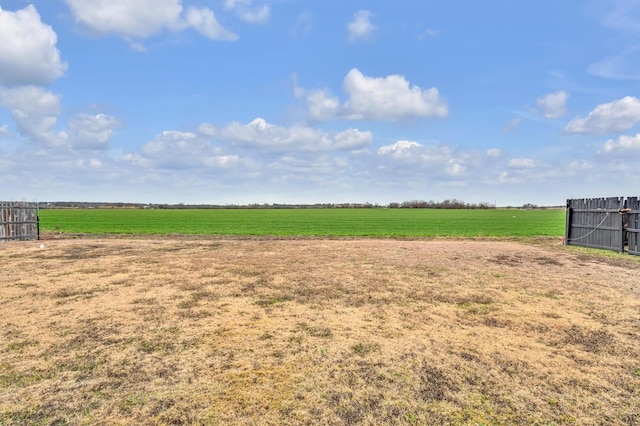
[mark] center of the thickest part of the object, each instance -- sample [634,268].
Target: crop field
[310,222]
[210,330]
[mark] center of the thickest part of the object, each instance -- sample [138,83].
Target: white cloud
[30,99]
[256,16]
[401,149]
[361,27]
[322,105]
[259,133]
[231,4]
[247,12]
[623,145]
[204,21]
[4,131]
[390,98]
[553,105]
[512,125]
[379,99]
[184,150]
[145,18]
[522,163]
[579,166]
[28,52]
[442,164]
[89,163]
[616,116]
[317,170]
[35,113]
[92,131]
[139,19]
[442,160]
[494,153]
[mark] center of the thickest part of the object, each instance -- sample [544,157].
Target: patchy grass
[190,331]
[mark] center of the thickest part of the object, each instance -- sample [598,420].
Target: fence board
[19,221]
[632,223]
[596,222]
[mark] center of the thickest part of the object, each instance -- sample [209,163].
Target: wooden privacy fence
[607,223]
[632,224]
[19,221]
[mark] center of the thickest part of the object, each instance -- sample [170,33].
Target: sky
[310,101]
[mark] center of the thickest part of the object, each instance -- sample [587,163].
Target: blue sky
[292,101]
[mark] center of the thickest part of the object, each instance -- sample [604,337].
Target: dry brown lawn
[317,331]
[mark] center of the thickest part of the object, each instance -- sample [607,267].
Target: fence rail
[607,223]
[632,224]
[19,221]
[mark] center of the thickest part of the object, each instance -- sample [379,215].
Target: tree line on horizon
[412,204]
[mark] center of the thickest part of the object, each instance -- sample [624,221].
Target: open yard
[201,330]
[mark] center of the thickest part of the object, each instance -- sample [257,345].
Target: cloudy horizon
[284,101]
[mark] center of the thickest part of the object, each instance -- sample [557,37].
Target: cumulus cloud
[402,150]
[89,131]
[361,27]
[35,112]
[204,21]
[623,145]
[616,116]
[321,103]
[553,105]
[247,12]
[440,163]
[28,52]
[436,160]
[145,18]
[390,98]
[184,150]
[259,133]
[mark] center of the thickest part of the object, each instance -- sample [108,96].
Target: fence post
[567,227]
[38,220]
[622,227]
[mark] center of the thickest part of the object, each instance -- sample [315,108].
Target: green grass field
[309,222]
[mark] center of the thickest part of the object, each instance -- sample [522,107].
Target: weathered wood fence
[632,224]
[19,221]
[607,223]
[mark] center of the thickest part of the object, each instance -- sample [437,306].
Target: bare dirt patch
[364,331]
